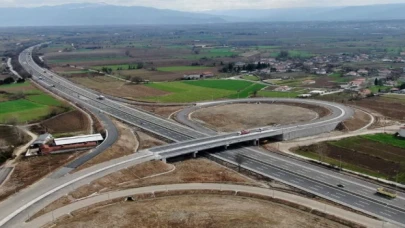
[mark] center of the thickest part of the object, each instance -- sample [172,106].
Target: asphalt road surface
[379,206]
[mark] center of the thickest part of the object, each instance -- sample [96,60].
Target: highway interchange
[358,194]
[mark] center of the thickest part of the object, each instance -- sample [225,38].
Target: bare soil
[146,141]
[126,144]
[236,117]
[163,111]
[196,211]
[114,87]
[29,170]
[189,171]
[364,153]
[70,122]
[357,121]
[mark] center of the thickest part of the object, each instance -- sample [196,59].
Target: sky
[202,5]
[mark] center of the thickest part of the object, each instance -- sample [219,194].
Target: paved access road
[314,204]
[149,122]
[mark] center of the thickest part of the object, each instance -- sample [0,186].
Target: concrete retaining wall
[305,132]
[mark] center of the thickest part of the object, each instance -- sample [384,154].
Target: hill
[346,13]
[98,14]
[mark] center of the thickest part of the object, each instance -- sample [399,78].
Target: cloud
[201,5]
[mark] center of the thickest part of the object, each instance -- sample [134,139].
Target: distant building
[402,132]
[282,89]
[207,74]
[41,140]
[192,77]
[351,74]
[321,72]
[304,95]
[308,82]
[363,72]
[317,92]
[403,53]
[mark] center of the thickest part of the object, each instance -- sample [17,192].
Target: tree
[240,159]
[376,81]
[136,79]
[139,65]
[402,86]
[255,93]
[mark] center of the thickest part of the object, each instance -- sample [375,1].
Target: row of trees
[10,80]
[230,67]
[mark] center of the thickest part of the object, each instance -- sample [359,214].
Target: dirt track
[236,117]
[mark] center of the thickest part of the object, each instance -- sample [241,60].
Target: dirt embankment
[29,170]
[236,117]
[196,211]
[70,122]
[164,111]
[126,144]
[358,121]
[189,171]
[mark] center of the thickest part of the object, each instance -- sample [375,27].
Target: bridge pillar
[255,142]
[164,160]
[195,154]
[226,147]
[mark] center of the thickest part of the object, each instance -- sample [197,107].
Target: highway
[269,164]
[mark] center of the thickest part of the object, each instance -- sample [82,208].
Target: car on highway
[243,132]
[40,78]
[391,194]
[340,185]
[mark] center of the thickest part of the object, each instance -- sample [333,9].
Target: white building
[402,132]
[317,92]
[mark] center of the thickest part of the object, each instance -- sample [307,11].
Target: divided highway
[357,194]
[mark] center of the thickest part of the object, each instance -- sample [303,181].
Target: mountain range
[104,14]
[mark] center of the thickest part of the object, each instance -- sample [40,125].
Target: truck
[386,192]
[243,132]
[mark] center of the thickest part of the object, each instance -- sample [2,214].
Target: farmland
[378,155]
[181,68]
[25,103]
[189,91]
[250,78]
[277,94]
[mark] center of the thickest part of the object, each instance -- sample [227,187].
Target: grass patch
[184,92]
[14,85]
[192,91]
[250,78]
[181,68]
[17,105]
[233,85]
[387,139]
[337,163]
[44,99]
[375,88]
[278,94]
[248,91]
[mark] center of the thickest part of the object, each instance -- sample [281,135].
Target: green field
[387,139]
[278,94]
[34,107]
[181,68]
[250,78]
[375,88]
[191,91]
[44,99]
[337,77]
